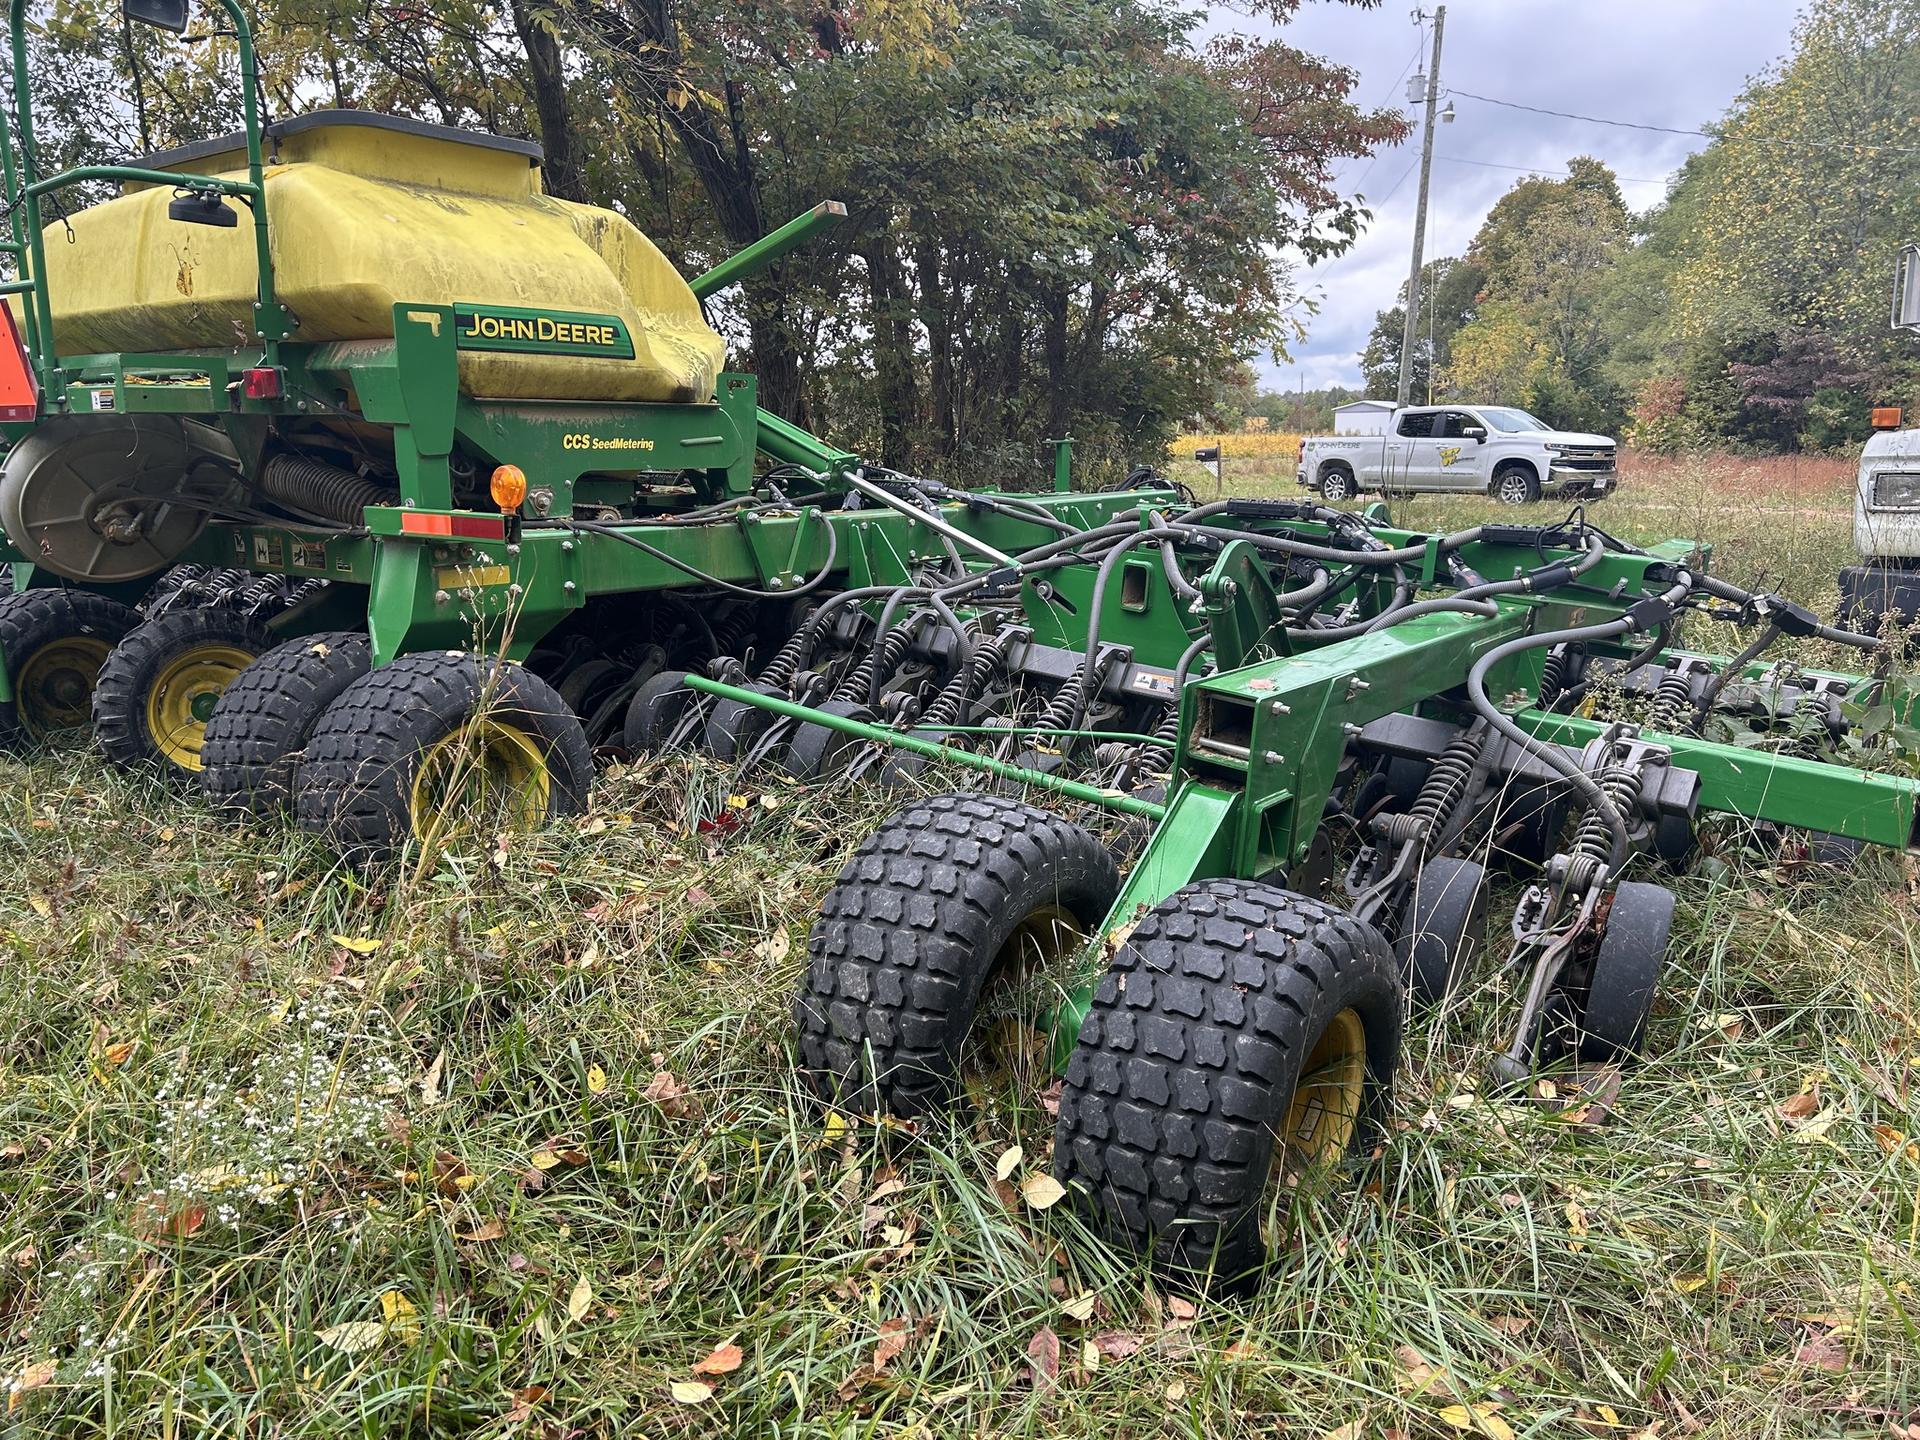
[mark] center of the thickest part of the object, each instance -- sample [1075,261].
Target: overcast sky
[1658,62]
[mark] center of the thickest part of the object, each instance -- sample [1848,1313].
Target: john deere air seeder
[355,474]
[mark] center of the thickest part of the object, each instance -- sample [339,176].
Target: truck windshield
[1511,420]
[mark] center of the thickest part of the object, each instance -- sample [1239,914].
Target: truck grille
[1585,457]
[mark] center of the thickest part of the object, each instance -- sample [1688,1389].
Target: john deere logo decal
[541,332]
[1449,454]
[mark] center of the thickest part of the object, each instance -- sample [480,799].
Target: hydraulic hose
[1597,798]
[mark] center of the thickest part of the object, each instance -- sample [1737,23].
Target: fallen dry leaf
[491,1229]
[893,1339]
[353,1336]
[1799,1107]
[1180,1308]
[723,1359]
[1080,1307]
[579,1300]
[1117,1344]
[1824,1352]
[690,1392]
[1043,1354]
[1041,1191]
[31,1378]
[1480,1419]
[359,945]
[1008,1162]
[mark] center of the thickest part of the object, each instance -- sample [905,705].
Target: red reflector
[464,527]
[19,392]
[1886,417]
[260,383]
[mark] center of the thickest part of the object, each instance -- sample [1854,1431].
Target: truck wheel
[1241,1031]
[53,643]
[1515,484]
[951,893]
[439,746]
[1336,485]
[263,719]
[159,687]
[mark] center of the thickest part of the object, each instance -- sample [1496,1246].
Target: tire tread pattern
[906,937]
[1188,1058]
[265,716]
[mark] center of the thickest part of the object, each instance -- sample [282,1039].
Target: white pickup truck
[1481,449]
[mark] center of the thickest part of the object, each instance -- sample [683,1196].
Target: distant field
[509,1145]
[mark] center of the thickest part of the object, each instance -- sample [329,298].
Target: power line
[1536,169]
[1854,145]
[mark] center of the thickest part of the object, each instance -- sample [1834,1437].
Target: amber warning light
[19,394]
[1885,417]
[509,487]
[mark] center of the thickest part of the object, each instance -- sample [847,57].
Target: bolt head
[441,597]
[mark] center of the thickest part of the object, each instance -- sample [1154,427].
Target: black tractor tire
[1336,485]
[663,700]
[1626,971]
[935,902]
[355,785]
[1443,928]
[159,687]
[1515,484]
[262,721]
[1189,1061]
[53,643]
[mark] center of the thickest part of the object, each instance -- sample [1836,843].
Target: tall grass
[513,1147]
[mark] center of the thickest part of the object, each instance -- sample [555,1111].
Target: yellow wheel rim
[54,689]
[181,699]
[1037,942]
[1326,1100]
[485,777]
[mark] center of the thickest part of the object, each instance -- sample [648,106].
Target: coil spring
[732,628]
[317,488]
[1441,792]
[1061,707]
[1553,676]
[1158,754]
[1592,841]
[1672,701]
[966,683]
[882,659]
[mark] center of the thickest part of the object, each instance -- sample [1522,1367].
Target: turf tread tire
[264,718]
[354,782]
[120,694]
[908,934]
[1188,1058]
[33,619]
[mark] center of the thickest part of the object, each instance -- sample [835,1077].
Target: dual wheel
[1241,1031]
[435,746]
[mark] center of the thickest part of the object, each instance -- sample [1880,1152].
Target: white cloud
[1677,63]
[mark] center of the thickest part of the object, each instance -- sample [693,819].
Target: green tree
[1449,298]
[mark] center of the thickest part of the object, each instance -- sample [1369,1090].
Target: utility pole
[1420,215]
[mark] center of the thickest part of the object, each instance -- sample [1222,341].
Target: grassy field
[509,1144]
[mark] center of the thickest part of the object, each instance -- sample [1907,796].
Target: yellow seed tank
[366,211]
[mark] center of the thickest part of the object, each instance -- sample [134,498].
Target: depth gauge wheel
[159,687]
[1240,1032]
[657,710]
[818,752]
[1626,971]
[952,892]
[263,719]
[53,643]
[440,746]
[1444,926]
